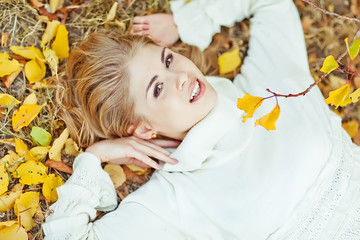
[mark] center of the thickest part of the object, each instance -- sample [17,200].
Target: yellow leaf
[55,5]
[112,12]
[32,172]
[52,60]
[249,104]
[55,150]
[10,161]
[35,70]
[269,120]
[71,147]
[116,174]
[7,200]
[340,96]
[28,52]
[61,43]
[49,188]
[354,49]
[4,179]
[355,96]
[31,99]
[50,32]
[329,64]
[22,150]
[137,169]
[229,61]
[24,116]
[11,230]
[39,152]
[25,208]
[351,127]
[8,66]
[6,100]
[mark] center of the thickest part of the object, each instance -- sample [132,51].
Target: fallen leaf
[11,230]
[28,52]
[39,152]
[269,120]
[50,32]
[32,173]
[340,96]
[31,99]
[7,100]
[52,60]
[35,70]
[351,127]
[9,79]
[7,65]
[249,104]
[55,5]
[10,161]
[112,12]
[61,43]
[25,115]
[55,150]
[25,208]
[49,188]
[4,39]
[354,49]
[4,179]
[138,170]
[7,200]
[355,96]
[329,64]
[116,174]
[40,136]
[22,150]
[71,147]
[229,61]
[60,166]
[36,3]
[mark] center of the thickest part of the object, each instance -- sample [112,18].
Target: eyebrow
[162,55]
[156,76]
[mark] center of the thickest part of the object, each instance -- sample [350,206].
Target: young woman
[227,179]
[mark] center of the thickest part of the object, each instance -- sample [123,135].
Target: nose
[181,79]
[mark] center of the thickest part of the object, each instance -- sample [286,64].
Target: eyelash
[159,86]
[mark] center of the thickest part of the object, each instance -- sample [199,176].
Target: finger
[146,160]
[149,151]
[165,143]
[140,20]
[153,146]
[139,28]
[138,163]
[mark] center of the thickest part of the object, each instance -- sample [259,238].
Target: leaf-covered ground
[22,23]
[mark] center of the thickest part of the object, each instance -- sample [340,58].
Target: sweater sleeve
[89,189]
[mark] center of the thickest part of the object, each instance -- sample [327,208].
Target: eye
[157,90]
[168,60]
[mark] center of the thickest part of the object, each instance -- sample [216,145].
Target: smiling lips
[198,91]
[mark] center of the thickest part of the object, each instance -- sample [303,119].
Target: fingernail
[145,28]
[158,166]
[174,160]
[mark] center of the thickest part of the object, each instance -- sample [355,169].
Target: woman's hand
[133,150]
[159,27]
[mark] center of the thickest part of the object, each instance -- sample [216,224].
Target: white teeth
[196,91]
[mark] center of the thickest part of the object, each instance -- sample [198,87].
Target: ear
[142,130]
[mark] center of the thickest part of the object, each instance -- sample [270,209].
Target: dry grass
[21,23]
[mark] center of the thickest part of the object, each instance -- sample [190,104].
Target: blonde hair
[94,92]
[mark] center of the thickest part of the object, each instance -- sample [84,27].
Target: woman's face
[170,92]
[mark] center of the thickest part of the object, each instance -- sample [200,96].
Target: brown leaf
[4,39]
[36,3]
[60,166]
[9,79]
[130,175]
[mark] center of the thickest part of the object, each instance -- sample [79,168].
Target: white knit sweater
[234,180]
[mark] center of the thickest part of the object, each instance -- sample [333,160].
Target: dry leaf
[31,99]
[7,65]
[340,96]
[229,61]
[9,79]
[4,39]
[55,5]
[116,174]
[49,188]
[22,150]
[28,52]
[11,230]
[60,166]
[39,152]
[35,70]
[329,64]
[50,32]
[7,100]
[112,12]
[351,127]
[354,49]
[138,170]
[52,60]
[32,173]
[25,208]
[24,116]
[10,161]
[249,104]
[4,179]
[55,150]
[71,147]
[7,200]
[268,121]
[61,43]
[355,96]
